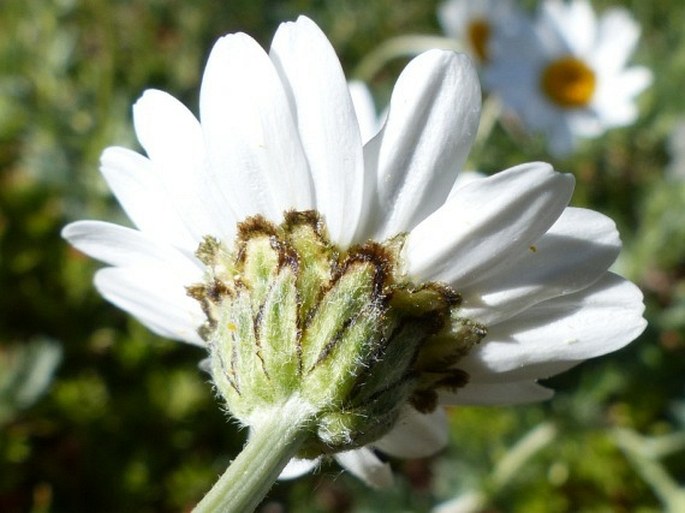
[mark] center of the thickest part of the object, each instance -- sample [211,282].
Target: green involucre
[289,314]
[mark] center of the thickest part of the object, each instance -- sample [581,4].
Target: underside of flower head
[290,314]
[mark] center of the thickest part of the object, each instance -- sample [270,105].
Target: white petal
[575,21]
[173,140]
[463,178]
[496,394]
[617,36]
[205,365]
[156,298]
[485,222]
[432,122]
[141,194]
[585,123]
[120,246]
[297,467]
[453,16]
[416,435]
[253,144]
[634,80]
[365,109]
[572,255]
[615,103]
[365,465]
[326,121]
[561,140]
[555,335]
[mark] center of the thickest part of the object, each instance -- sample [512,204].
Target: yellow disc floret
[479,35]
[568,82]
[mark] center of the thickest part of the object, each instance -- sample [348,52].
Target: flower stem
[401,46]
[272,443]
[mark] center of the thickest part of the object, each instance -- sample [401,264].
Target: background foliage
[129,423]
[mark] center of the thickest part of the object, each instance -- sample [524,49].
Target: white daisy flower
[470,294]
[477,23]
[568,78]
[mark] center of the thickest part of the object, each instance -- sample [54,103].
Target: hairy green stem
[272,443]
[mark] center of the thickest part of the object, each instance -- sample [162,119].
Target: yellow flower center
[568,82]
[479,34]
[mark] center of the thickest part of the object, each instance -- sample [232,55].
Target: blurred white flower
[476,24]
[278,133]
[568,77]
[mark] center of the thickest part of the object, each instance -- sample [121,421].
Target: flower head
[568,76]
[363,280]
[477,24]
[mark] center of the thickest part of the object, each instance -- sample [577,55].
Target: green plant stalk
[268,450]
[520,454]
[636,448]
[401,46]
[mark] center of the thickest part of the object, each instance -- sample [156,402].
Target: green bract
[290,315]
